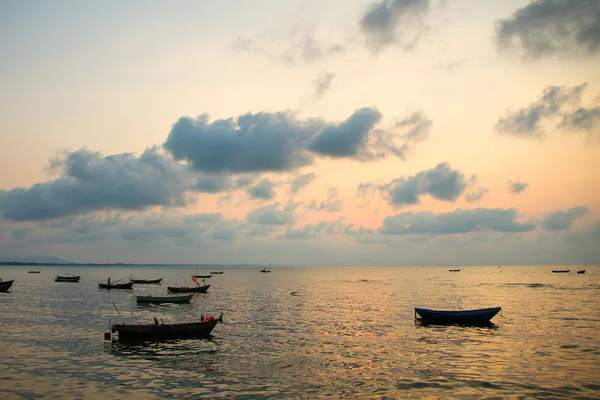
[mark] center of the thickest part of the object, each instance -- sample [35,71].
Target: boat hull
[146,281]
[561,271]
[479,316]
[67,279]
[197,289]
[160,332]
[5,285]
[581,271]
[165,299]
[127,285]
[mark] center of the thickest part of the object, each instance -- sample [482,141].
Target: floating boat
[216,272]
[186,298]
[185,289]
[33,272]
[127,285]
[561,271]
[479,316]
[202,276]
[265,270]
[454,270]
[161,331]
[5,285]
[581,271]
[146,281]
[67,278]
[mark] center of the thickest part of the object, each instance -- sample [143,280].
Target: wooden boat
[146,281]
[202,276]
[265,270]
[33,272]
[127,285]
[581,271]
[185,289]
[561,271]
[454,270]
[158,332]
[5,285]
[67,278]
[186,298]
[216,272]
[479,316]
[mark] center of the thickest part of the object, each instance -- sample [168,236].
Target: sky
[356,132]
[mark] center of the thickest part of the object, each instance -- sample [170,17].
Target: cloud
[306,232]
[458,221]
[212,184]
[405,134]
[582,119]
[322,84]
[552,27]
[398,22]
[89,182]
[301,181]
[476,195]
[264,190]
[561,220]
[332,204]
[516,187]
[441,182]
[271,215]
[527,122]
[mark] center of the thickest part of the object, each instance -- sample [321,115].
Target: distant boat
[165,299]
[146,281]
[33,272]
[127,285]
[581,271]
[158,332]
[561,271]
[265,270]
[67,278]
[479,316]
[5,285]
[202,276]
[454,270]
[216,272]
[185,289]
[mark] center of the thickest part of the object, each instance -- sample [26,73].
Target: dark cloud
[322,84]
[552,27]
[441,182]
[582,119]
[399,22]
[561,220]
[458,221]
[271,215]
[263,190]
[301,181]
[89,182]
[527,121]
[213,184]
[517,186]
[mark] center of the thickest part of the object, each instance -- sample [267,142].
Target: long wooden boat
[33,272]
[265,270]
[160,331]
[127,285]
[216,272]
[185,289]
[581,271]
[454,270]
[67,278]
[5,285]
[202,276]
[561,271]
[146,281]
[186,298]
[479,316]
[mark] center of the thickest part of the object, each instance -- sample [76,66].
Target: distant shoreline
[20,263]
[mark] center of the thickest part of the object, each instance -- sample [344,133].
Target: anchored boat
[478,316]
[186,298]
[160,331]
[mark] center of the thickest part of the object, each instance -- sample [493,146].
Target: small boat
[561,271]
[127,285]
[185,289]
[146,281]
[202,276]
[159,332]
[186,298]
[454,270]
[5,285]
[581,271]
[216,272]
[479,316]
[67,278]
[33,272]
[265,270]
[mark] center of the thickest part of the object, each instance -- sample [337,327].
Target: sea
[305,333]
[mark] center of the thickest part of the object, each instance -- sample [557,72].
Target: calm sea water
[347,332]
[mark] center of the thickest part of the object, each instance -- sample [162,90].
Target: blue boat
[479,316]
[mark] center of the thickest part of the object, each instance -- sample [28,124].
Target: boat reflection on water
[427,324]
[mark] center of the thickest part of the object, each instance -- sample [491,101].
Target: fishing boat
[186,298]
[67,278]
[5,285]
[265,270]
[186,289]
[479,316]
[33,272]
[127,285]
[581,271]
[202,276]
[146,281]
[454,270]
[561,271]
[216,272]
[160,331]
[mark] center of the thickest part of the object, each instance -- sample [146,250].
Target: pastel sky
[355,132]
